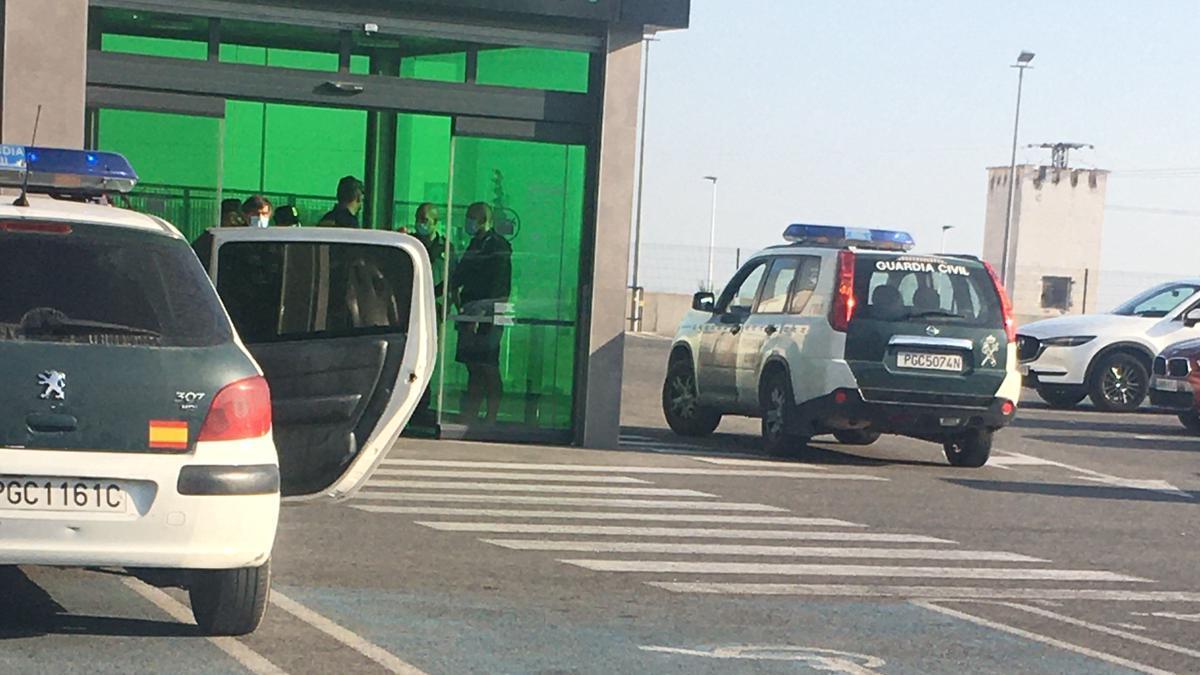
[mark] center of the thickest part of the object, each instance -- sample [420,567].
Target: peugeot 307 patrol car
[843,331]
[139,429]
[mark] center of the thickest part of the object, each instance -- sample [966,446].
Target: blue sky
[886,114]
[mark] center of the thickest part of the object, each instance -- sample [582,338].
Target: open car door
[342,323]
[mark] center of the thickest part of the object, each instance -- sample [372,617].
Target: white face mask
[260,221]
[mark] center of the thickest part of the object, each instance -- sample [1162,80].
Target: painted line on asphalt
[664,470]
[1164,437]
[1152,485]
[526,528]
[1008,460]
[566,501]
[926,592]
[345,636]
[777,464]
[247,657]
[1044,639]
[1133,637]
[892,571]
[509,475]
[610,515]
[761,550]
[520,487]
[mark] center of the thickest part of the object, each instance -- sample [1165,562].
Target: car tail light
[34,227]
[1010,325]
[240,410]
[843,296]
[1008,408]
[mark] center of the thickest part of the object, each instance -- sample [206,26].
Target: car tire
[1062,398]
[970,451]
[777,406]
[1119,383]
[680,403]
[856,436]
[230,602]
[1190,421]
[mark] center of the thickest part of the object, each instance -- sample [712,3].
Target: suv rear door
[926,330]
[342,324]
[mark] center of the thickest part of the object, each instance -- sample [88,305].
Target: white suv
[844,332]
[1107,357]
[138,429]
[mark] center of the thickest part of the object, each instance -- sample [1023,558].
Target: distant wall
[662,312]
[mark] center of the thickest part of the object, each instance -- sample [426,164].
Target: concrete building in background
[1057,218]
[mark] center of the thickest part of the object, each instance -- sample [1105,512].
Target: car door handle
[770,330]
[735,329]
[51,422]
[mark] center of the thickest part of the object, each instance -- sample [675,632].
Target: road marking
[611,515]
[1164,437]
[508,475]
[664,470]
[514,487]
[1130,626]
[525,528]
[1195,618]
[1115,481]
[1053,642]
[733,461]
[742,549]
[1009,460]
[566,501]
[1166,646]
[345,636]
[678,567]
[247,657]
[824,660]
[926,592]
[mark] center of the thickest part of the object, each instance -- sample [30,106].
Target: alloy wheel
[774,412]
[1121,384]
[683,397]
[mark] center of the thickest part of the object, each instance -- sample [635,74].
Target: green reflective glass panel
[153,46]
[533,68]
[437,67]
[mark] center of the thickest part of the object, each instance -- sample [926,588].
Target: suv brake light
[1010,325]
[35,227]
[843,295]
[240,410]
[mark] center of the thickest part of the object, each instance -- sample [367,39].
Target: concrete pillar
[616,182]
[44,62]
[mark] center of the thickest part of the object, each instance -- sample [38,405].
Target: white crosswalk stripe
[677,539]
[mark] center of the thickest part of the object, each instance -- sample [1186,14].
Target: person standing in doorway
[350,192]
[257,211]
[231,213]
[425,229]
[481,280]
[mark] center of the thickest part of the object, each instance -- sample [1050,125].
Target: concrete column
[618,155]
[44,61]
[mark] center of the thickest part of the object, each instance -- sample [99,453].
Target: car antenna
[23,198]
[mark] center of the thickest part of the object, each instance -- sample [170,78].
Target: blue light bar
[837,236]
[65,171]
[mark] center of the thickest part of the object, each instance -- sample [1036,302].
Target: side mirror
[704,301]
[1191,317]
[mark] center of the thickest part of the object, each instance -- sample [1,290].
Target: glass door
[515,222]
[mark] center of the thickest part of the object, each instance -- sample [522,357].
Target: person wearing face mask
[350,193]
[481,279]
[257,211]
[425,229]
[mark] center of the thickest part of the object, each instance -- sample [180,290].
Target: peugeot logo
[54,383]
[932,331]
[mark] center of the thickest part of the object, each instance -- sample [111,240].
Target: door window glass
[291,291]
[778,285]
[739,296]
[806,282]
[1158,301]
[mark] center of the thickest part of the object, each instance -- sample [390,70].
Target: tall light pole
[945,229]
[635,313]
[712,232]
[1021,65]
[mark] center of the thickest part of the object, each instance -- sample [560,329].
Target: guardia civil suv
[140,427]
[843,331]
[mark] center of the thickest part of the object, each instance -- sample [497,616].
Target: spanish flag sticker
[169,434]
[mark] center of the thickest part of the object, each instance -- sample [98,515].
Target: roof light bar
[841,237]
[64,170]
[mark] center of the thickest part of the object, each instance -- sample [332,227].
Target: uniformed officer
[350,192]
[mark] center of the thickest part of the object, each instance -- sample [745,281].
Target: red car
[1175,384]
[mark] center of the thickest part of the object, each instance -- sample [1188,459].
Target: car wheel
[681,404]
[856,436]
[1119,383]
[230,602]
[1063,398]
[1191,421]
[971,450]
[778,407]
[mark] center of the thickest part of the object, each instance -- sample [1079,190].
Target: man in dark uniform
[349,202]
[482,278]
[425,229]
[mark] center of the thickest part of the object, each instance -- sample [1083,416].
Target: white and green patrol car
[843,331]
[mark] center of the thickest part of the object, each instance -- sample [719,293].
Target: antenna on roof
[23,198]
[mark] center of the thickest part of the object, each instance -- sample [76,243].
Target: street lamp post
[712,232]
[945,229]
[1021,65]
[635,314]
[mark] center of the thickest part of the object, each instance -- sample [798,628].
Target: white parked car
[1108,357]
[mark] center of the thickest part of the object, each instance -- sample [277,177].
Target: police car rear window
[94,284]
[927,289]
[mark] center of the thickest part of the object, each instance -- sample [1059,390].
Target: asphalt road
[1075,550]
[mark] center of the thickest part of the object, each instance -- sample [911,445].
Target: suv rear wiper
[933,312]
[60,326]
